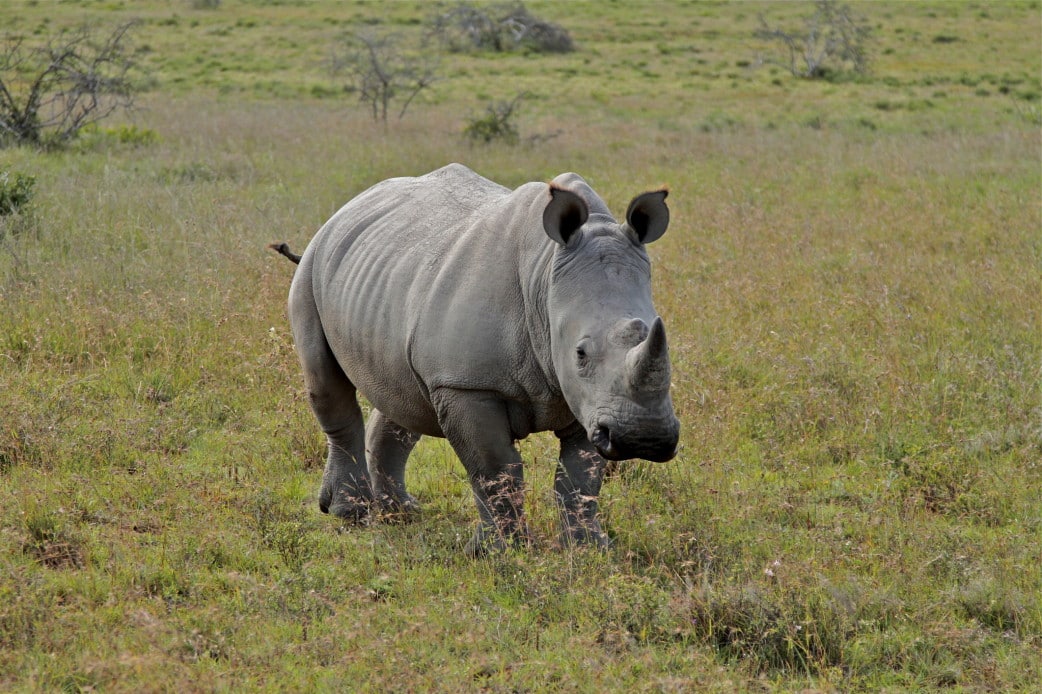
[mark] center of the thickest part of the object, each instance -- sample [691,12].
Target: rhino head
[608,344]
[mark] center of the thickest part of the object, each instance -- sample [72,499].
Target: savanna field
[851,285]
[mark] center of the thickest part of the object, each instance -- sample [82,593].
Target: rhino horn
[647,364]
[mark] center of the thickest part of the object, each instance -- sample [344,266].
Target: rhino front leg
[577,485]
[387,448]
[478,428]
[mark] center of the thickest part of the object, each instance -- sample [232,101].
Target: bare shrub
[382,70]
[499,27]
[49,92]
[832,41]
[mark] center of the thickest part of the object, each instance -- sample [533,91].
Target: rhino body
[465,310]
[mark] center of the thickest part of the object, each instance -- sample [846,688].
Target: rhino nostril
[601,439]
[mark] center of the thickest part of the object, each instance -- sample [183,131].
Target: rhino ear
[564,215]
[648,215]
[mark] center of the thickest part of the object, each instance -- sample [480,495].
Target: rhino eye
[581,356]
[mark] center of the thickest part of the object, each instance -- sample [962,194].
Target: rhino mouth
[614,447]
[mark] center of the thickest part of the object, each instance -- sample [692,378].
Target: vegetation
[50,91]
[499,27]
[851,286]
[16,196]
[381,72]
[832,41]
[497,124]
[16,192]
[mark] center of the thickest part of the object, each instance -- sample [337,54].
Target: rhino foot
[353,512]
[348,502]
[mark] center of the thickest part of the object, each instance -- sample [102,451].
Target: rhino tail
[283,248]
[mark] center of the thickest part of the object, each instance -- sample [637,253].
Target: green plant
[16,197]
[16,192]
[131,135]
[49,542]
[497,124]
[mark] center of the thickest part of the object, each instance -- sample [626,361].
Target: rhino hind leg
[346,491]
[478,429]
[577,484]
[387,449]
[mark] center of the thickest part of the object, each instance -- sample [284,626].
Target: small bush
[282,531]
[49,543]
[15,192]
[497,124]
[16,196]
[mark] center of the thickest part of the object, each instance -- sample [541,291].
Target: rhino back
[424,283]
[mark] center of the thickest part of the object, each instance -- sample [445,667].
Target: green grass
[851,286]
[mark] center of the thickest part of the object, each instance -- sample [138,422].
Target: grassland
[852,286]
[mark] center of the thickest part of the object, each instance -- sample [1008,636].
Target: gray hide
[465,310]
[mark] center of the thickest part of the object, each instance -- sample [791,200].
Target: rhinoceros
[462,309]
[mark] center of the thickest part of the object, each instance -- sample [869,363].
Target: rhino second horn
[647,364]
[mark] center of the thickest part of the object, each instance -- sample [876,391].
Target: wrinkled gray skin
[465,310]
